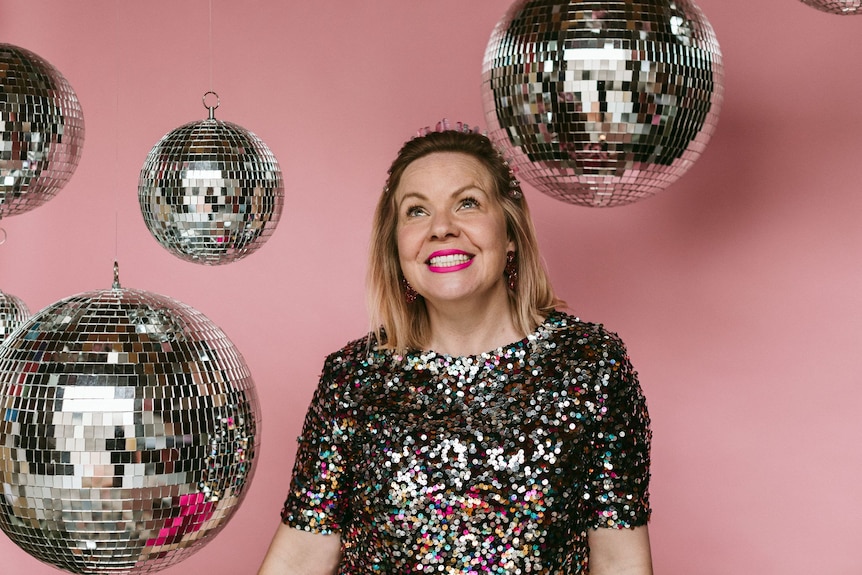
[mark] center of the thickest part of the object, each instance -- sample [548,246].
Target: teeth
[446,261]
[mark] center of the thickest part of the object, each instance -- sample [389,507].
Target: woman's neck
[460,332]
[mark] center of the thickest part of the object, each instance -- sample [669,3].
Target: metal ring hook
[116,284]
[212,109]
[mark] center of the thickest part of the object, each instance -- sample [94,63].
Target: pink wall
[737,289]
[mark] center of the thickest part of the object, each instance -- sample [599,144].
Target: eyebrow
[456,193]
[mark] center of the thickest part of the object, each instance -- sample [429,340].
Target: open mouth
[449,260]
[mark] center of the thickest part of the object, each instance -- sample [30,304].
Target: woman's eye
[414,211]
[469,203]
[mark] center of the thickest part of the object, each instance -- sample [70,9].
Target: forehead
[445,169]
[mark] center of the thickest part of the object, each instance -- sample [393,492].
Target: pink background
[737,289]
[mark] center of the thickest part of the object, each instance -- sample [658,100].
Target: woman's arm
[294,551]
[620,551]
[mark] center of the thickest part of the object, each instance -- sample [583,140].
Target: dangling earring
[511,271]
[410,294]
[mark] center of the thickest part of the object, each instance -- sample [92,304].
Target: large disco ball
[602,103]
[43,130]
[128,430]
[13,312]
[211,192]
[844,7]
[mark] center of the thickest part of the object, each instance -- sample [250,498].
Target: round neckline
[429,355]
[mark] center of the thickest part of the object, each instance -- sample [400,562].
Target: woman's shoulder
[589,347]
[354,354]
[576,331]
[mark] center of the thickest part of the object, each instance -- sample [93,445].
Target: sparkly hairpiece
[444,125]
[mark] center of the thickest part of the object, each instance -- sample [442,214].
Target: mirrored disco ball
[211,192]
[128,430]
[13,312]
[844,7]
[602,103]
[43,130]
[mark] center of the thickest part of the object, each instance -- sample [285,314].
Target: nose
[443,225]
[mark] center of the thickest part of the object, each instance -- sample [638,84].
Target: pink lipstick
[445,261]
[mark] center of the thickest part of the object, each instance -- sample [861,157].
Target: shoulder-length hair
[400,325]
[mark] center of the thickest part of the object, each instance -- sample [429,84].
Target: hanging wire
[117,134]
[211,45]
[2,229]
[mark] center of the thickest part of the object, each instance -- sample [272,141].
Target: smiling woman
[477,428]
[408,326]
[452,243]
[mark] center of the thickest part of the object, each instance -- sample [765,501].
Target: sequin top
[494,463]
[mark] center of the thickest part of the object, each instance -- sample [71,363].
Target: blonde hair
[400,325]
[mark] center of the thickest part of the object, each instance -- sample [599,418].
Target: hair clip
[514,191]
[444,126]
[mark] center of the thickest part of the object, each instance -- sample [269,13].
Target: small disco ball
[128,429]
[13,312]
[843,7]
[211,192]
[602,103]
[43,130]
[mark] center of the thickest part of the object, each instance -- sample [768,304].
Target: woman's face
[451,230]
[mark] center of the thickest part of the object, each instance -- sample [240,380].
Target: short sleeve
[319,488]
[617,489]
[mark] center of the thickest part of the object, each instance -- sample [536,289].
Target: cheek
[406,242]
[502,236]
[399,243]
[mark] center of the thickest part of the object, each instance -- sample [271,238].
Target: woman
[477,429]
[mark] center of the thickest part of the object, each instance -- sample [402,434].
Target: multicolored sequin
[494,463]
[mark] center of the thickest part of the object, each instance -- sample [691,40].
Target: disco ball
[43,130]
[844,7]
[602,103]
[13,312]
[211,192]
[128,428]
